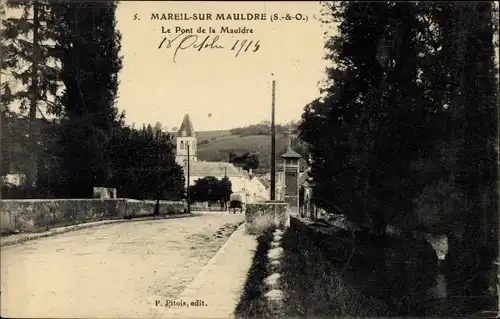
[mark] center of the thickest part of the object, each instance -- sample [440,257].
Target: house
[258,189]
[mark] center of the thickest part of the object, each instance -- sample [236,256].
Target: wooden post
[273,145]
[2,116]
[187,190]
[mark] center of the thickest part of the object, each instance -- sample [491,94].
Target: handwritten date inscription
[208,42]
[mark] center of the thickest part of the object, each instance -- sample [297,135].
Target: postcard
[264,159]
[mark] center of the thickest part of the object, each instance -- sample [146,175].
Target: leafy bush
[210,189]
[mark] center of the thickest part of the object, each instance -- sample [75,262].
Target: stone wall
[262,216]
[30,215]
[138,208]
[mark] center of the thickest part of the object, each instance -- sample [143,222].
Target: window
[182,145]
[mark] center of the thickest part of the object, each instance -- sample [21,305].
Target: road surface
[115,270]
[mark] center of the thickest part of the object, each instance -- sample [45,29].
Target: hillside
[218,150]
[216,145]
[212,135]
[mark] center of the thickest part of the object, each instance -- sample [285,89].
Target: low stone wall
[31,215]
[137,208]
[262,216]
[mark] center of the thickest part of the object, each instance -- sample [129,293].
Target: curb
[193,288]
[203,272]
[62,230]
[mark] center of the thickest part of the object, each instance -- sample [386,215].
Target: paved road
[216,290]
[116,270]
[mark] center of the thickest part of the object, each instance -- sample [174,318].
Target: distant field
[218,150]
[209,135]
[216,146]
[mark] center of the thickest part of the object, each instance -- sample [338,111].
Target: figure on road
[236,200]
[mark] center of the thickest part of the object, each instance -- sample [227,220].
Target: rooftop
[264,182]
[186,129]
[216,169]
[290,153]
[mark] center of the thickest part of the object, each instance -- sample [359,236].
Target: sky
[236,91]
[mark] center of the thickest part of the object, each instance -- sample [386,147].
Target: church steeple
[186,129]
[186,139]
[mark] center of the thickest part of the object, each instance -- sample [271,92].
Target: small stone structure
[272,280]
[29,215]
[274,294]
[275,244]
[262,216]
[274,266]
[275,253]
[104,192]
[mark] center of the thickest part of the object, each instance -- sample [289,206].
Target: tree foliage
[406,129]
[263,128]
[20,52]
[245,160]
[88,144]
[87,46]
[143,166]
[210,189]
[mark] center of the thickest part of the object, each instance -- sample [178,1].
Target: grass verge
[314,284]
[253,304]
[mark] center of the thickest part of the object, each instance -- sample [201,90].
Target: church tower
[186,138]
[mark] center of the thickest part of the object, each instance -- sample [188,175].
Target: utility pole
[273,145]
[187,191]
[2,117]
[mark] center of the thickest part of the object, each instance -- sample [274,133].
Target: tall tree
[411,84]
[30,67]
[144,167]
[88,46]
[370,115]
[149,131]
[473,96]
[28,60]
[157,128]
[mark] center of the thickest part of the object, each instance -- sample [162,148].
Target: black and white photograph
[249,159]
